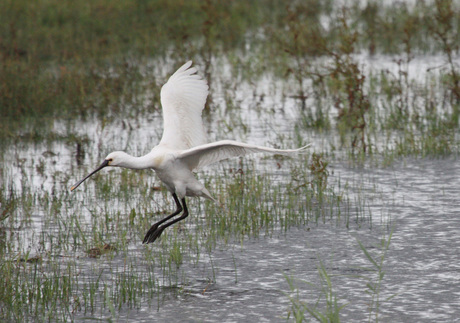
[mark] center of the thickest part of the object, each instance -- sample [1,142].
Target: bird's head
[116,158]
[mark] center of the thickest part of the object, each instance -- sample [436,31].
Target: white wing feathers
[183,98]
[201,156]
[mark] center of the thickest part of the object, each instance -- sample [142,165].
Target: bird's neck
[142,162]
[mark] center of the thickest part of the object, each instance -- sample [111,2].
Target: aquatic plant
[325,309]
[374,284]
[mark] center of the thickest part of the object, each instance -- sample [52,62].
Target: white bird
[183,149]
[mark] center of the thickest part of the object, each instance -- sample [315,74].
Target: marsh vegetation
[331,234]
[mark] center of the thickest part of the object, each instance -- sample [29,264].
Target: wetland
[362,227]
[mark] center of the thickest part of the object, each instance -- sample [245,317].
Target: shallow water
[239,282]
[422,266]
[245,281]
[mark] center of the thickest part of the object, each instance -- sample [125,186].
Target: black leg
[152,236]
[154,227]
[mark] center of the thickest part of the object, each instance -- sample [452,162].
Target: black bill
[104,164]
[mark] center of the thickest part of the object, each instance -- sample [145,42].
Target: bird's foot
[153,234]
[152,229]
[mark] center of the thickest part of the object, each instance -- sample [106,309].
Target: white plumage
[183,147]
[183,98]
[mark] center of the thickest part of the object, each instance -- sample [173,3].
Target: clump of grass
[258,203]
[317,180]
[305,39]
[340,77]
[325,309]
[315,196]
[374,283]
[443,26]
[347,87]
[248,208]
[387,28]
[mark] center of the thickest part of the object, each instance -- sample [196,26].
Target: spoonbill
[183,148]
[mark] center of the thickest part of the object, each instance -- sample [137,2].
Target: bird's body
[183,148]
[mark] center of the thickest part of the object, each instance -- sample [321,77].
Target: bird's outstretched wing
[198,157]
[183,98]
